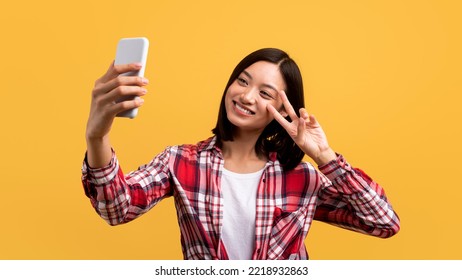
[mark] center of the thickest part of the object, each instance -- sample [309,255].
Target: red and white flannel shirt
[287,202]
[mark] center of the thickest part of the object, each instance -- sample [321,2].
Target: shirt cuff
[335,168]
[103,175]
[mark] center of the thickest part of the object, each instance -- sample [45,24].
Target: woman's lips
[243,109]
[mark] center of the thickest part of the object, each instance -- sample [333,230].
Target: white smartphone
[131,50]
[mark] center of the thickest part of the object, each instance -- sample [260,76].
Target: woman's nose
[248,96]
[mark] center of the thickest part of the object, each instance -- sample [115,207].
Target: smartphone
[131,50]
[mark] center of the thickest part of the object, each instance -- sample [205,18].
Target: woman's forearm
[99,151]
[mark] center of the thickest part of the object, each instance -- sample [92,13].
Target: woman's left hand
[306,132]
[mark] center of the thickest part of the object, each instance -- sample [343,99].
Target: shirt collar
[208,144]
[211,144]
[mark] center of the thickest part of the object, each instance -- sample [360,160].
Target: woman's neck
[240,155]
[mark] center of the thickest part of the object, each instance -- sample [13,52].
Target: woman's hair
[274,137]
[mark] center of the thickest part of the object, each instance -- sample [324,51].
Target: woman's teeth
[243,110]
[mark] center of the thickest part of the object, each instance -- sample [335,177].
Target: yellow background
[383,78]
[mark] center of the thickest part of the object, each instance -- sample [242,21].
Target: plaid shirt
[287,202]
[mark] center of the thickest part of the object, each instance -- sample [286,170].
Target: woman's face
[248,96]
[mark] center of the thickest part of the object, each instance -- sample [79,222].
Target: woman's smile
[242,109]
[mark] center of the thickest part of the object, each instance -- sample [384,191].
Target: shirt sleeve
[349,198]
[120,198]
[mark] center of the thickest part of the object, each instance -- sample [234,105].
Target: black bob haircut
[274,137]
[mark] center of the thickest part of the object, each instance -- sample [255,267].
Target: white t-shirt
[239,198]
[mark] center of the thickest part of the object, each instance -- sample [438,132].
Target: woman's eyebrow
[247,74]
[265,85]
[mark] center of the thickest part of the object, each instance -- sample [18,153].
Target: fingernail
[145,81]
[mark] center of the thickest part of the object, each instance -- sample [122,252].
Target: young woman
[245,192]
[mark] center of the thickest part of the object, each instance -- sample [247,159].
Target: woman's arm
[349,198]
[109,88]
[120,198]
[116,199]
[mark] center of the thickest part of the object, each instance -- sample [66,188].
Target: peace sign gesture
[305,130]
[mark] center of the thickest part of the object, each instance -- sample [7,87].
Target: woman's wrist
[99,151]
[325,157]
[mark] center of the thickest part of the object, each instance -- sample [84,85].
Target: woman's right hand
[109,88]
[104,107]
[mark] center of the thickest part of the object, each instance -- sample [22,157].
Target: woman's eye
[242,81]
[265,94]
